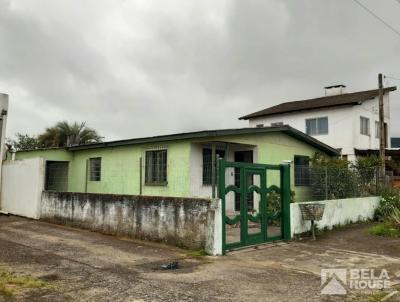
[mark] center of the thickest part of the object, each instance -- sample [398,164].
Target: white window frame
[318,132]
[377,129]
[368,132]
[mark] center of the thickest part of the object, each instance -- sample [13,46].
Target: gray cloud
[136,68]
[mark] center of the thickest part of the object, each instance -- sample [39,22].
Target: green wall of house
[274,148]
[120,172]
[49,154]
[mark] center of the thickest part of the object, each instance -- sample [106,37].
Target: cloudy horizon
[143,68]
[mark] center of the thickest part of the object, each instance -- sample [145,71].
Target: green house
[175,165]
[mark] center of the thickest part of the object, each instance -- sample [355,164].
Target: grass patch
[198,253]
[11,283]
[377,296]
[385,229]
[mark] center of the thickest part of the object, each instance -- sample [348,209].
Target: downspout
[140,176]
[86,178]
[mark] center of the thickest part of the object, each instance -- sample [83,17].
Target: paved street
[86,266]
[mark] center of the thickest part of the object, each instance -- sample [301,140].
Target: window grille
[207,164]
[156,167]
[56,176]
[95,169]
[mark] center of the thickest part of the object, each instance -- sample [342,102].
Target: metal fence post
[221,195]
[285,187]
[217,176]
[213,166]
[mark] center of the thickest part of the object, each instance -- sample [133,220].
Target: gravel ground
[87,266]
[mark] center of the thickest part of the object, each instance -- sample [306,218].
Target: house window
[317,126]
[364,125]
[95,169]
[156,167]
[207,164]
[301,170]
[56,176]
[377,130]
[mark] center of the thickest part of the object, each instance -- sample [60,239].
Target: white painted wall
[213,244]
[337,212]
[22,186]
[369,109]
[343,123]
[197,189]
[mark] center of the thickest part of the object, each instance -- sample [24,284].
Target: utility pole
[382,133]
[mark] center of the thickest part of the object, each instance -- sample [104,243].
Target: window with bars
[301,170]
[207,164]
[95,169]
[364,125]
[156,167]
[317,126]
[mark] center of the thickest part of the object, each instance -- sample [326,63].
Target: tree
[64,134]
[23,142]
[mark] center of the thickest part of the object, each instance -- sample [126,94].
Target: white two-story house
[346,121]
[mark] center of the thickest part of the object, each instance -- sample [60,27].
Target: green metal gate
[261,212]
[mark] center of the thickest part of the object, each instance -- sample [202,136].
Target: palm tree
[64,134]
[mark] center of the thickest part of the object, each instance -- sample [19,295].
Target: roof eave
[247,117]
[217,133]
[260,113]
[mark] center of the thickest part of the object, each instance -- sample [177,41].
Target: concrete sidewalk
[87,266]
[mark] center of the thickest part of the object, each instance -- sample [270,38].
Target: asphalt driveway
[80,265]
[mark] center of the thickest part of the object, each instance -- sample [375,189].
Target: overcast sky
[139,68]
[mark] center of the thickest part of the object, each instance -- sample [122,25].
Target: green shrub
[385,229]
[339,178]
[333,178]
[395,218]
[390,201]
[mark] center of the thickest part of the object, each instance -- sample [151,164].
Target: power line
[377,17]
[390,77]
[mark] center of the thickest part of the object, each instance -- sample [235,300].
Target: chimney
[335,90]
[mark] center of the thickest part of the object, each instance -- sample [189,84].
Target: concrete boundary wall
[184,222]
[22,186]
[337,212]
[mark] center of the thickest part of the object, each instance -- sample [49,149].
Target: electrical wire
[377,17]
[390,77]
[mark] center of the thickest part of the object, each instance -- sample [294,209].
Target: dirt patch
[87,266]
[49,277]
